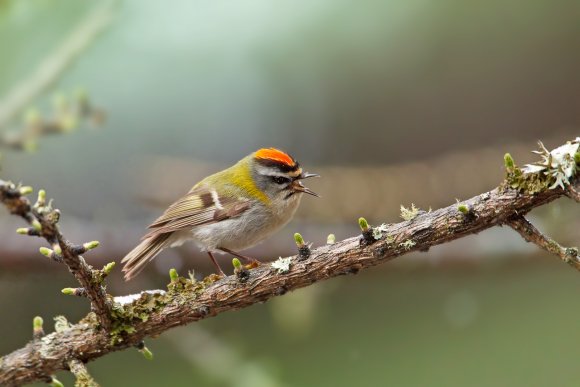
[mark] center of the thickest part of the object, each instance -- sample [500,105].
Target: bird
[228,211]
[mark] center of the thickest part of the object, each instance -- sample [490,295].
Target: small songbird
[228,211]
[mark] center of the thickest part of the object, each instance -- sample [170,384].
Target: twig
[533,235]
[81,373]
[573,193]
[43,219]
[49,70]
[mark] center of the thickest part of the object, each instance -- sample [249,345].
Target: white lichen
[124,300]
[558,163]
[408,244]
[282,265]
[409,213]
[61,324]
[379,231]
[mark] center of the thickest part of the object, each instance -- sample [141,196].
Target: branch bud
[46,252]
[90,245]
[36,225]
[57,249]
[26,190]
[363,224]
[22,231]
[303,248]
[242,274]
[54,382]
[173,275]
[367,232]
[68,291]
[79,292]
[41,201]
[330,239]
[577,157]
[298,239]
[147,354]
[509,162]
[37,330]
[108,268]
[37,322]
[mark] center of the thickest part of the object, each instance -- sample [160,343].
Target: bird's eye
[280,180]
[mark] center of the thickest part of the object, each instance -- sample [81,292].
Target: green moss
[530,183]
[572,252]
[463,208]
[553,246]
[125,317]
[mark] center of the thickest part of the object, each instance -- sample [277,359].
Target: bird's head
[278,175]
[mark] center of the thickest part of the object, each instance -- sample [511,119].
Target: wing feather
[196,208]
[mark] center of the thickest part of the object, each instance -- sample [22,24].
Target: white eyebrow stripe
[216,199]
[270,172]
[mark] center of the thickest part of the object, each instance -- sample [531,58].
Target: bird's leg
[217,266]
[247,260]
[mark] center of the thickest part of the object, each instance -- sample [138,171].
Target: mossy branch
[150,313]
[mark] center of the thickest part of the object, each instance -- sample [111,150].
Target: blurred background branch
[52,66]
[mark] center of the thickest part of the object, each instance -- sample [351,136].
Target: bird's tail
[141,255]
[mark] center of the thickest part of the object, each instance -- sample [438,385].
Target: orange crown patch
[274,154]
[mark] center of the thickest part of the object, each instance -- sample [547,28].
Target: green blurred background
[393,102]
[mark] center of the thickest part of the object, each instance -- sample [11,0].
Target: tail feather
[144,253]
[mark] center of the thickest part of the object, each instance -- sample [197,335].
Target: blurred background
[117,107]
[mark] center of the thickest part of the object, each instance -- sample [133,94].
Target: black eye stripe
[280,180]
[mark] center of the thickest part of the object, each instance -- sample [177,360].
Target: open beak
[306,175]
[297,185]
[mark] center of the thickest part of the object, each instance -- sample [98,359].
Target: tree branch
[53,65]
[134,318]
[83,378]
[533,235]
[573,193]
[43,219]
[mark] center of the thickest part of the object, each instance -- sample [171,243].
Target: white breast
[252,227]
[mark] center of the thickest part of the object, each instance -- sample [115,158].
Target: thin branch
[152,313]
[49,70]
[81,373]
[573,193]
[43,219]
[533,235]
